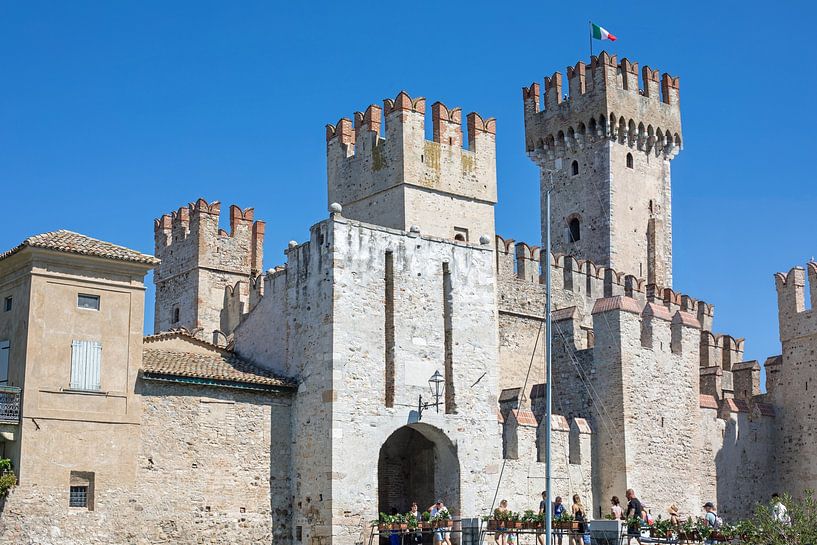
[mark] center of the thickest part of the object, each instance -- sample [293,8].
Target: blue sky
[112,113]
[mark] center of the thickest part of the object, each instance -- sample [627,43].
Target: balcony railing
[9,405]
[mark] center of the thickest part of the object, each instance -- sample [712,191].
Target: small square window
[7,304]
[91,302]
[78,496]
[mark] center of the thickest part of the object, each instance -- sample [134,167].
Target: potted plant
[7,477]
[398,522]
[425,520]
[442,519]
[634,526]
[662,528]
[564,522]
[528,519]
[383,522]
[412,521]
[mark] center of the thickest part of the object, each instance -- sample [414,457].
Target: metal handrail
[9,405]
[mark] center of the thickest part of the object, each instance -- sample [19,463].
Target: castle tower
[400,179]
[203,281]
[608,144]
[795,391]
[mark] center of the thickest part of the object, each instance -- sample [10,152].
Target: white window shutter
[86,359]
[4,362]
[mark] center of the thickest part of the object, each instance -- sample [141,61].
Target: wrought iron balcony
[9,405]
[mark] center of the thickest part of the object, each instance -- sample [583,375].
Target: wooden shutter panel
[4,362]
[86,358]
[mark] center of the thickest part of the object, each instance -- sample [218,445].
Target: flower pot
[493,524]
[383,527]
[516,525]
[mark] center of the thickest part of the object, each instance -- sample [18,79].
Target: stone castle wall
[211,465]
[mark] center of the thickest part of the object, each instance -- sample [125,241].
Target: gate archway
[418,462]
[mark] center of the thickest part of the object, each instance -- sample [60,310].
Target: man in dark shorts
[634,509]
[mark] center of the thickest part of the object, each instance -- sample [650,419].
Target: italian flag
[600,33]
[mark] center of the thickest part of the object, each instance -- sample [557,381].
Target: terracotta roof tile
[559,423]
[686,318]
[765,409]
[735,405]
[567,313]
[582,425]
[221,365]
[619,302]
[524,417]
[707,401]
[75,243]
[659,311]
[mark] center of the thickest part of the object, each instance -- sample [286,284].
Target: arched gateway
[418,462]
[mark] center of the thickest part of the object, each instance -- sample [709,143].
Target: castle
[292,405]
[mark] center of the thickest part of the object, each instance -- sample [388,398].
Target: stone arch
[418,462]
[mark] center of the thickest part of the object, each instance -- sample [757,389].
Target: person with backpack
[713,520]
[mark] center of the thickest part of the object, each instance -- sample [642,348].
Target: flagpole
[591,38]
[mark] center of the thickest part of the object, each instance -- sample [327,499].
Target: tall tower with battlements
[607,143]
[399,179]
[793,388]
[206,274]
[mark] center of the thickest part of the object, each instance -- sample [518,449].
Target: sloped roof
[707,401]
[178,353]
[75,243]
[219,366]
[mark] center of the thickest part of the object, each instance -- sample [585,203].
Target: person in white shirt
[781,514]
[440,535]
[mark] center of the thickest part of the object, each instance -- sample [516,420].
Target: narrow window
[389,328]
[4,362]
[78,496]
[176,315]
[629,160]
[86,357]
[574,230]
[81,490]
[450,404]
[90,302]
[7,304]
[574,168]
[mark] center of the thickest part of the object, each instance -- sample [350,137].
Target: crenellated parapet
[795,320]
[376,158]
[192,233]
[203,279]
[523,262]
[603,102]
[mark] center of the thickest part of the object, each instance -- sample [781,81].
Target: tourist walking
[503,535]
[634,510]
[781,514]
[712,519]
[673,515]
[615,508]
[440,534]
[543,504]
[580,516]
[559,510]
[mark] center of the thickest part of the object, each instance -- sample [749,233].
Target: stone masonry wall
[202,265]
[212,466]
[606,118]
[403,180]
[795,394]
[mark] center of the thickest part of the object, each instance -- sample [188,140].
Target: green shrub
[765,530]
[7,480]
